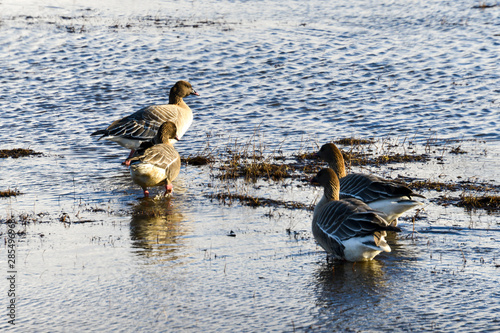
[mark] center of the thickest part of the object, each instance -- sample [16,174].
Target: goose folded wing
[160,113]
[133,127]
[369,188]
[161,156]
[344,222]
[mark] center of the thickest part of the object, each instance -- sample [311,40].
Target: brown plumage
[141,126]
[158,164]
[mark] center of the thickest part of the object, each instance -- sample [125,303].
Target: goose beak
[177,138]
[193,92]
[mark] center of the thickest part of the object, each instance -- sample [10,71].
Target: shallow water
[284,75]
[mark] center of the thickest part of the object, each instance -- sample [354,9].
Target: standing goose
[389,197]
[347,229]
[158,164]
[131,131]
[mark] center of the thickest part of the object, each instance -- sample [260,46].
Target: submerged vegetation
[18,152]
[354,141]
[89,20]
[235,167]
[456,186]
[197,160]
[247,200]
[9,193]
[249,163]
[470,202]
[357,159]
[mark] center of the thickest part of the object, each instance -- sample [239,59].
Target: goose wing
[368,188]
[162,156]
[143,124]
[341,220]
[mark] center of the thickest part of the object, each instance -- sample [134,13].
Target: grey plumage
[335,222]
[390,197]
[163,156]
[369,188]
[142,125]
[157,163]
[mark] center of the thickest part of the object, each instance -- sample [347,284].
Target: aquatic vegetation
[457,150]
[18,152]
[470,202]
[90,21]
[251,163]
[354,141]
[247,200]
[430,185]
[9,193]
[455,186]
[196,160]
[484,5]
[306,156]
[252,171]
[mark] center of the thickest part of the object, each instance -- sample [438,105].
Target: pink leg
[168,188]
[127,161]
[146,194]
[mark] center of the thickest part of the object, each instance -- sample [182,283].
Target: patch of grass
[457,151]
[436,186]
[471,202]
[445,200]
[254,170]
[249,161]
[23,219]
[354,141]
[359,159]
[9,193]
[400,158]
[266,170]
[227,199]
[196,160]
[484,5]
[306,156]
[457,186]
[18,152]
[487,202]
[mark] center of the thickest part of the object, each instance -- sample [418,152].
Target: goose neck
[338,167]
[177,100]
[331,193]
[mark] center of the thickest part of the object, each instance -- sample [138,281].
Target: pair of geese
[350,221]
[150,134]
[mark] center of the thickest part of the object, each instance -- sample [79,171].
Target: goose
[157,162]
[389,197]
[131,131]
[347,229]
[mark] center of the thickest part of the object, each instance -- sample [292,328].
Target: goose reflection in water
[344,291]
[157,229]
[338,279]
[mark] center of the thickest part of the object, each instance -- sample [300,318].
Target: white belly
[393,207]
[356,250]
[147,175]
[127,143]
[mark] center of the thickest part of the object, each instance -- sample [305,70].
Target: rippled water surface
[286,75]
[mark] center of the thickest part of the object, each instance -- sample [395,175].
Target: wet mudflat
[232,250]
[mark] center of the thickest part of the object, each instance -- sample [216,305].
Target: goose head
[333,156]
[180,90]
[166,133]
[328,179]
